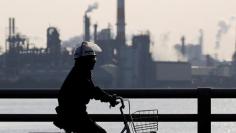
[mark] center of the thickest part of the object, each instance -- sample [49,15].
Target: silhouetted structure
[119,65]
[143,65]
[173,74]
[121,21]
[191,52]
[28,67]
[183,47]
[86,27]
[53,42]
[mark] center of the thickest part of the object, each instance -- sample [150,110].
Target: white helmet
[86,48]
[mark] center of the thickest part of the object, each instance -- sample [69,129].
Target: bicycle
[142,121]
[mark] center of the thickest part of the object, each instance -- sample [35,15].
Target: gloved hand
[113,101]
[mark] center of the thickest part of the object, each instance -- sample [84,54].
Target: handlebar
[122,102]
[126,128]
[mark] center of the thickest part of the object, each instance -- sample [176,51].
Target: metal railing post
[204,110]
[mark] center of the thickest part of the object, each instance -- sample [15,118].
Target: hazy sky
[167,20]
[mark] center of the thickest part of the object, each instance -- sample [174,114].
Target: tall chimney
[235,43]
[121,21]
[95,32]
[86,28]
[13,26]
[183,49]
[234,55]
[201,37]
[10,27]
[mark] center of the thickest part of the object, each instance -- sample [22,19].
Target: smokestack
[87,21]
[234,55]
[201,37]
[86,27]
[9,26]
[183,49]
[95,32]
[13,26]
[208,60]
[235,43]
[27,47]
[91,8]
[121,21]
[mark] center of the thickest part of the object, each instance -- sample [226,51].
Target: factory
[24,65]
[119,65]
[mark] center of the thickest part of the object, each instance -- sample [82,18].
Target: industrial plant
[119,65]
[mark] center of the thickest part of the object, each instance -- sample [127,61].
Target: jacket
[78,89]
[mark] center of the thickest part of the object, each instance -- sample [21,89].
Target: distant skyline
[167,21]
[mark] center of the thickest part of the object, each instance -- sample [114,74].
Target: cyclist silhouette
[76,92]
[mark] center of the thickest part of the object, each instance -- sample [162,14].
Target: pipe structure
[13,26]
[183,47]
[86,27]
[121,21]
[10,27]
[95,32]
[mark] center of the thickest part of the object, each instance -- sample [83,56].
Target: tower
[86,27]
[121,21]
[53,41]
[183,47]
[233,67]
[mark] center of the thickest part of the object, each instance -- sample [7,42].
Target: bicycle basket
[145,121]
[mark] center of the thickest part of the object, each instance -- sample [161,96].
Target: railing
[203,117]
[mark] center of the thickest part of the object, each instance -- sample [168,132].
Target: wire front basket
[145,121]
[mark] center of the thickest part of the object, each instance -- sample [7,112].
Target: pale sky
[171,18]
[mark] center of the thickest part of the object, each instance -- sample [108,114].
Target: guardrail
[203,117]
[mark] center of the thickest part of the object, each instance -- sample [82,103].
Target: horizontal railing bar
[36,93]
[223,117]
[203,95]
[223,93]
[128,93]
[117,117]
[155,93]
[96,117]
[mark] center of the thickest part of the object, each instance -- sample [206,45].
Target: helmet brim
[94,47]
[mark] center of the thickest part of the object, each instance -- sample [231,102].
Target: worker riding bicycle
[76,92]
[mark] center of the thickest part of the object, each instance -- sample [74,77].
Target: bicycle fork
[126,125]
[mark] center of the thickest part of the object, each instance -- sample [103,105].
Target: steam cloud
[72,42]
[165,38]
[165,51]
[224,27]
[92,7]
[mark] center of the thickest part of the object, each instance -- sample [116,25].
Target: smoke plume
[72,42]
[164,51]
[91,7]
[223,28]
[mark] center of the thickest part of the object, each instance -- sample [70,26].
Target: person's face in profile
[89,61]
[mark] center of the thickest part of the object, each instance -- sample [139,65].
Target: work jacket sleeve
[99,94]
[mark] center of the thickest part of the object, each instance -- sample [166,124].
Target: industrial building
[33,67]
[173,74]
[191,52]
[118,66]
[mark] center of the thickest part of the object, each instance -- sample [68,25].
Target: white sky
[176,17]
